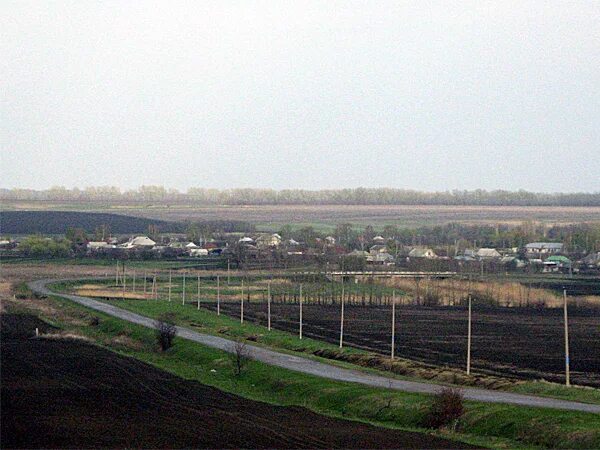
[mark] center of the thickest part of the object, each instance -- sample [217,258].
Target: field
[484,425]
[517,342]
[326,216]
[49,385]
[525,343]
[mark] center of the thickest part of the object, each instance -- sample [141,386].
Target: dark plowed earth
[69,394]
[512,342]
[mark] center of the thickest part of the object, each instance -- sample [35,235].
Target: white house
[422,252]
[543,248]
[140,242]
[488,253]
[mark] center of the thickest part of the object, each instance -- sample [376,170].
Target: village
[271,250]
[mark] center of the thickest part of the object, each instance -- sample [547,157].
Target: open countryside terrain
[326,216]
[484,424]
[49,385]
[514,342]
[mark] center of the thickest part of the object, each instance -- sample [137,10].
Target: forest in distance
[354,196]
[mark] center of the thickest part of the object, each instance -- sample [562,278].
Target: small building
[422,252]
[543,248]
[94,246]
[379,248]
[330,240]
[143,242]
[198,252]
[266,241]
[383,258]
[379,240]
[488,253]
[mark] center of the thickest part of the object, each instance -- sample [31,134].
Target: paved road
[304,365]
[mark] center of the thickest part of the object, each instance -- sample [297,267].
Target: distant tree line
[357,196]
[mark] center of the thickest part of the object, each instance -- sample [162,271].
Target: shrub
[165,330]
[240,355]
[445,410]
[95,321]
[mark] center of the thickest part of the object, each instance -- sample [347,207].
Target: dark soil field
[273,216]
[515,342]
[71,394]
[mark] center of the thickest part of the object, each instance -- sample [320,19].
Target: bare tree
[165,330]
[240,356]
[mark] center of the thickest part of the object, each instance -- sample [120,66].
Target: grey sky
[430,96]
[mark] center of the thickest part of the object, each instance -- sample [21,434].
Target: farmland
[515,342]
[50,384]
[326,216]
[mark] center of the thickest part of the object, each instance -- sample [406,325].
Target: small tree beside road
[165,330]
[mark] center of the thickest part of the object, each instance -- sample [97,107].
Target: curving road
[320,369]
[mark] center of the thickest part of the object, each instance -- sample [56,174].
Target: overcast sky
[429,96]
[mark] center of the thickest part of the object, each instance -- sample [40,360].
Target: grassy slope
[483,424]
[208,322]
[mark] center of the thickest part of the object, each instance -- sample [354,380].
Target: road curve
[312,367]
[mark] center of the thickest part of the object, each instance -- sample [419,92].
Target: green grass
[208,322]
[493,425]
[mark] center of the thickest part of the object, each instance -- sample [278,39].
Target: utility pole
[567,365]
[300,302]
[117,275]
[133,287]
[198,289]
[242,304]
[218,296]
[145,279]
[124,280]
[228,270]
[342,315]
[183,291]
[469,340]
[393,322]
[154,288]
[269,306]
[170,279]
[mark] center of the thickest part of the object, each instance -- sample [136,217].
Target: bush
[446,409]
[165,330]
[94,321]
[240,355]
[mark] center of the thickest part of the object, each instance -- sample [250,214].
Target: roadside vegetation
[491,425]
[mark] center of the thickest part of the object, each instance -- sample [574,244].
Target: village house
[488,253]
[422,252]
[268,241]
[140,242]
[540,249]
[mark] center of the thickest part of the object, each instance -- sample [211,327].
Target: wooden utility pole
[228,270]
[117,275]
[469,341]
[183,291]
[300,304]
[123,292]
[393,322]
[154,288]
[269,306]
[242,304]
[567,365]
[145,277]
[170,279]
[133,287]
[198,289]
[218,296]
[124,280]
[342,316]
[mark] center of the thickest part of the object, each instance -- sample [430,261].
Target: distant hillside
[57,222]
